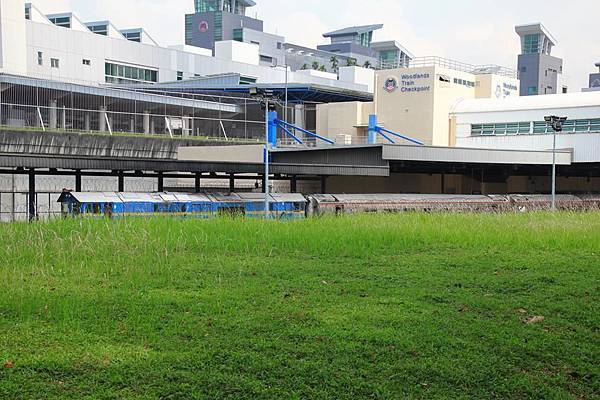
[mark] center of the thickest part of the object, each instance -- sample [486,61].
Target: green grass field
[373,306]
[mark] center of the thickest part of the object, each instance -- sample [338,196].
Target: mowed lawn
[373,306]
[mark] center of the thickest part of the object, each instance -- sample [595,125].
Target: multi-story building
[417,101]
[357,43]
[539,71]
[223,20]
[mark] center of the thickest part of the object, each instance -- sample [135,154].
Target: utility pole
[557,126]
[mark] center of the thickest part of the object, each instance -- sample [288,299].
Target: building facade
[417,101]
[539,71]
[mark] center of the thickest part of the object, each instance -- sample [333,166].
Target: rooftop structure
[539,71]
[230,6]
[361,35]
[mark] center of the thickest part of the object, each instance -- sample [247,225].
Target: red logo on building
[203,27]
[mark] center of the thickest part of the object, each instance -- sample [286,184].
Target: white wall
[585,146]
[363,76]
[233,50]
[12,37]
[71,46]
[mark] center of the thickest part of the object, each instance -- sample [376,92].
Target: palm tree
[367,64]
[315,65]
[304,67]
[322,68]
[351,62]
[334,63]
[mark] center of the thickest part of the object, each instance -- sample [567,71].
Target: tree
[351,62]
[315,65]
[367,64]
[334,64]
[304,67]
[322,68]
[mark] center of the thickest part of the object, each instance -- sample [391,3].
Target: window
[256,43]
[531,44]
[532,90]
[40,58]
[535,127]
[238,34]
[99,29]
[54,63]
[135,36]
[116,73]
[86,62]
[27,11]
[279,45]
[64,22]
[179,75]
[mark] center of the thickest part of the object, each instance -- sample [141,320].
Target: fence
[14,205]
[108,110]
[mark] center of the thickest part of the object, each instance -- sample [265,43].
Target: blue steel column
[372,139]
[273,129]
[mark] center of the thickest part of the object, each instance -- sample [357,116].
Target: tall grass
[388,306]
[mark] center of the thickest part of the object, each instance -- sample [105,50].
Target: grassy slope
[389,306]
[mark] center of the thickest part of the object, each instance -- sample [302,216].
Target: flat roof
[533,28]
[353,30]
[391,44]
[297,92]
[118,93]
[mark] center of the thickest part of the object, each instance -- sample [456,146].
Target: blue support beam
[372,139]
[273,128]
[286,130]
[375,130]
[309,133]
[415,141]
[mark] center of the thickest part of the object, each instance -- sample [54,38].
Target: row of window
[537,127]
[464,82]
[116,73]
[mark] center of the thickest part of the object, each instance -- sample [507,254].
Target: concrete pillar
[86,122]
[186,126]
[197,183]
[146,122]
[299,119]
[231,183]
[293,185]
[121,182]
[53,117]
[63,118]
[323,185]
[132,124]
[32,200]
[78,180]
[102,119]
[152,130]
[161,182]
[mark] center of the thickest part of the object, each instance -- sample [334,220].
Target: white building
[63,47]
[518,124]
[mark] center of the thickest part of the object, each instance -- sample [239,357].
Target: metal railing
[420,62]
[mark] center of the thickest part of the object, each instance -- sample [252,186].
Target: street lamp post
[557,126]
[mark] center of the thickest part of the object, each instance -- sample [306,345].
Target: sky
[472,31]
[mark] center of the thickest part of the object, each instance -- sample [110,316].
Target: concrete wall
[351,118]
[243,154]
[246,53]
[92,145]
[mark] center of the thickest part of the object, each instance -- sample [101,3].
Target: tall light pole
[557,126]
[267,206]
